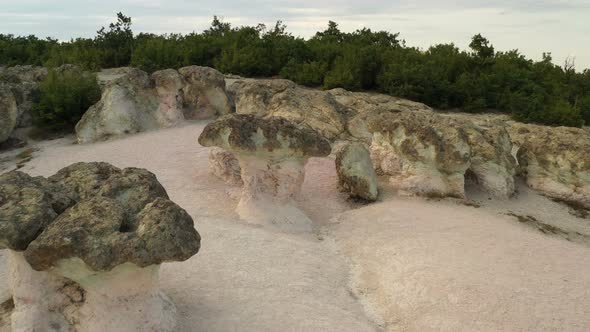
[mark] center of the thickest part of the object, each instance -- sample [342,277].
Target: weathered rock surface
[128,105]
[105,228]
[421,154]
[225,166]
[273,138]
[554,160]
[282,98]
[27,205]
[492,162]
[169,84]
[356,174]
[337,113]
[133,102]
[8,113]
[96,212]
[23,81]
[272,153]
[204,93]
[363,106]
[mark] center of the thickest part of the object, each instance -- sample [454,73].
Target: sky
[533,27]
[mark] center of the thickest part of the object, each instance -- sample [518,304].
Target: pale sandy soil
[412,265]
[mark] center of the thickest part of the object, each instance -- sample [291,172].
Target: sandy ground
[244,278]
[412,265]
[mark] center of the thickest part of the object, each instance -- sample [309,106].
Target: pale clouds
[534,27]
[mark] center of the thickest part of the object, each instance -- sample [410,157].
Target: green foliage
[442,76]
[64,97]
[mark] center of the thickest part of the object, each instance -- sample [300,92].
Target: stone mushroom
[106,229]
[272,153]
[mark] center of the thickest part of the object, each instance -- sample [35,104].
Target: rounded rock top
[95,212]
[271,137]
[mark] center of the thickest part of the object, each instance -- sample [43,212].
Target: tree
[481,46]
[116,43]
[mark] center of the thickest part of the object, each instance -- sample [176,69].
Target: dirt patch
[5,311]
[551,229]
[575,208]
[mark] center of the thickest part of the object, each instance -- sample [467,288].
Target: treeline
[442,76]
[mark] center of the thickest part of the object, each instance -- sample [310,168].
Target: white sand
[416,265]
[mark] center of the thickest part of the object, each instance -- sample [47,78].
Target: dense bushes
[442,76]
[64,97]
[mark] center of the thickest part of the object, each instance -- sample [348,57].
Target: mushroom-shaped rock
[356,174]
[116,260]
[106,229]
[225,166]
[272,153]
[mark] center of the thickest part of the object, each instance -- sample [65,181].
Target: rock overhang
[271,138]
[95,212]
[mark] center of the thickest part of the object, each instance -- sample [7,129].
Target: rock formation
[272,153]
[420,154]
[484,147]
[23,81]
[225,166]
[554,160]
[105,228]
[169,85]
[133,102]
[8,113]
[285,99]
[128,105]
[492,163]
[204,93]
[356,174]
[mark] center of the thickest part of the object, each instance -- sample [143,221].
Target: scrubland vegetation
[442,76]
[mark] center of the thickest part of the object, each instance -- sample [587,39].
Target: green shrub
[64,97]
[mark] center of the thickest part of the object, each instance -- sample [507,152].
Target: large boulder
[8,113]
[204,93]
[128,105]
[132,102]
[422,154]
[554,160]
[356,174]
[284,99]
[24,82]
[169,86]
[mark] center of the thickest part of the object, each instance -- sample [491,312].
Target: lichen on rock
[272,153]
[356,174]
[97,225]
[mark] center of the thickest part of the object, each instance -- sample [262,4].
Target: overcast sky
[559,26]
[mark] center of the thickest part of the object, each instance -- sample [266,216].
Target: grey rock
[269,137]
[96,212]
[8,113]
[356,174]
